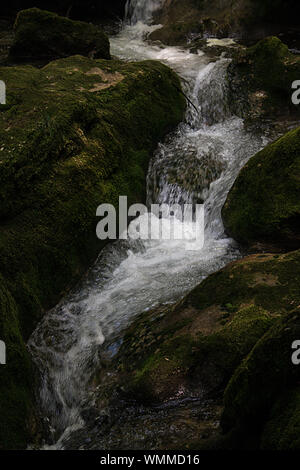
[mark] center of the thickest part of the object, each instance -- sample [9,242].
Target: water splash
[141,10]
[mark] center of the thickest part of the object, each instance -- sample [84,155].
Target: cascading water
[197,163]
[141,10]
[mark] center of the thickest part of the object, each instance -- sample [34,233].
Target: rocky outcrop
[232,333]
[74,134]
[264,391]
[260,82]
[262,209]
[205,336]
[283,425]
[42,35]
[184,20]
[263,205]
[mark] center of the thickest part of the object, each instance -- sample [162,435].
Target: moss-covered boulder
[190,360]
[195,348]
[208,332]
[266,375]
[43,35]
[273,67]
[198,343]
[282,431]
[263,205]
[74,134]
[260,81]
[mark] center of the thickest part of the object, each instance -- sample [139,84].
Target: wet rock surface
[165,386]
[181,424]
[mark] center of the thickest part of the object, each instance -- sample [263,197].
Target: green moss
[265,374]
[162,373]
[16,378]
[74,134]
[282,431]
[190,348]
[232,333]
[271,64]
[260,79]
[269,281]
[180,361]
[40,34]
[219,354]
[263,205]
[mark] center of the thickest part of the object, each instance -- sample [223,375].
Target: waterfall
[182,173]
[197,163]
[141,10]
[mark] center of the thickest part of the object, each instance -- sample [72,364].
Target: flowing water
[197,163]
[141,10]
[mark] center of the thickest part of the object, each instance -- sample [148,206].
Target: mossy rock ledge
[74,134]
[43,35]
[201,346]
[260,84]
[262,397]
[263,206]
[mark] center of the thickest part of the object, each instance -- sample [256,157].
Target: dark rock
[265,376]
[184,20]
[42,35]
[260,83]
[77,9]
[264,203]
[282,431]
